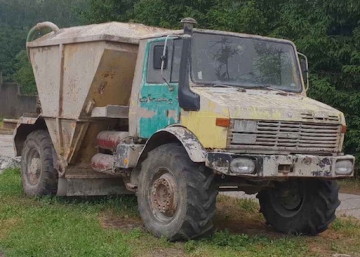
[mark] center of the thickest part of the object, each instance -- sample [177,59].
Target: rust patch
[102,87]
[164,195]
[110,75]
[306,161]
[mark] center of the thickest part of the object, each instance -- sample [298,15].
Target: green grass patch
[111,226]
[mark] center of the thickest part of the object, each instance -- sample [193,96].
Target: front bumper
[274,166]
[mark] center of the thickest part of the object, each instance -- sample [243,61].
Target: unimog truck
[176,116]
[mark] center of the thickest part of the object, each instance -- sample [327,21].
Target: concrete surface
[6,146]
[350,204]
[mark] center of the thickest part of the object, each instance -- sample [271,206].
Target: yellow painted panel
[255,113]
[203,125]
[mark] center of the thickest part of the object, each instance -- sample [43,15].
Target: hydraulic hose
[38,27]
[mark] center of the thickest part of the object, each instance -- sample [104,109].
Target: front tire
[301,206]
[176,197]
[39,178]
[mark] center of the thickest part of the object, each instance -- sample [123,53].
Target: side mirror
[160,57]
[304,66]
[304,69]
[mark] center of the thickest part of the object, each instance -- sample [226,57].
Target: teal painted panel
[158,99]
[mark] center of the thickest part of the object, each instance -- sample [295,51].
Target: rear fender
[25,126]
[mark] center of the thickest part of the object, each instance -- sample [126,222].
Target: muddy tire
[300,207]
[176,197]
[39,178]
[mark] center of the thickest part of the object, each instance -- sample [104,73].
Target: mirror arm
[307,71]
[163,57]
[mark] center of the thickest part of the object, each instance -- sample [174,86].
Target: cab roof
[130,33]
[112,31]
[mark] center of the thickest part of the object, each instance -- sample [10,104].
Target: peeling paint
[173,114]
[159,106]
[270,166]
[145,113]
[192,145]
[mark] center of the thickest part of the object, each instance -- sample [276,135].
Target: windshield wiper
[221,85]
[239,88]
[270,87]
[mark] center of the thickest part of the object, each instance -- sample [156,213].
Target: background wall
[12,103]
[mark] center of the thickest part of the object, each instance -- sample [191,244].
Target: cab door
[159,91]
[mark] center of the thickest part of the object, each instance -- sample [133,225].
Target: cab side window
[171,62]
[175,70]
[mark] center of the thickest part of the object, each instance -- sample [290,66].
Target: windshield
[244,62]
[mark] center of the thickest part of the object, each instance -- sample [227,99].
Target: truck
[177,116]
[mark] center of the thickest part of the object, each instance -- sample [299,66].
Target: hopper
[79,70]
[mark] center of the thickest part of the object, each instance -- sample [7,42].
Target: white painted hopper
[80,68]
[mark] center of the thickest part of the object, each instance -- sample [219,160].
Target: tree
[327,31]
[24,74]
[16,19]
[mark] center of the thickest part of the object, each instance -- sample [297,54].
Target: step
[111,111]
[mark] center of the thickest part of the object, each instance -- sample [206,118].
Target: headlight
[242,166]
[344,167]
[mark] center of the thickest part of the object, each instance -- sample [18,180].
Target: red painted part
[102,162]
[109,139]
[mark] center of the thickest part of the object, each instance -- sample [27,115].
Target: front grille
[295,137]
[310,117]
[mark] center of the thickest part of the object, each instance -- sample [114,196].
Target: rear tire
[300,207]
[39,178]
[176,197]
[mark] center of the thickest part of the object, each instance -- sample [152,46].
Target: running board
[91,187]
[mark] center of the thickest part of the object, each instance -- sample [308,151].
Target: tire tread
[321,207]
[201,200]
[48,183]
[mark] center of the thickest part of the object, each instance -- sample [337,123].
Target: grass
[112,227]
[350,186]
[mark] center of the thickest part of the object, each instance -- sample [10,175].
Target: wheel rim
[163,196]
[288,199]
[34,168]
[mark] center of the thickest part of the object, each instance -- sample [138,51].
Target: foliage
[24,74]
[16,19]
[327,31]
[11,42]
[107,10]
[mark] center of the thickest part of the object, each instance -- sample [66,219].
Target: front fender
[171,134]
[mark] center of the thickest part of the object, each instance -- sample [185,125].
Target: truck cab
[178,116]
[241,96]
